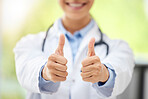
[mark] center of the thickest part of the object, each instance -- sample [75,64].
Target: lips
[75,5]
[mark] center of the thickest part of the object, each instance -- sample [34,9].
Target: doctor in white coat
[73,59]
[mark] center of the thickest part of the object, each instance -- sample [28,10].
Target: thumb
[59,50]
[91,51]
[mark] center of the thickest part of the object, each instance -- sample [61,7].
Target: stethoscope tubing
[96,43]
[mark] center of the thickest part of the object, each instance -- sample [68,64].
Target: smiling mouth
[76,5]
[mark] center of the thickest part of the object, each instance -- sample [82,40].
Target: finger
[89,79]
[60,67]
[91,51]
[56,78]
[58,58]
[57,66]
[90,60]
[96,67]
[59,50]
[87,68]
[59,73]
[87,74]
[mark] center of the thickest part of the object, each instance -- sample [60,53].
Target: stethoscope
[96,43]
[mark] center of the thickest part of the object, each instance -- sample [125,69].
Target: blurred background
[122,19]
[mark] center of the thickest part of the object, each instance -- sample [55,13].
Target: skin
[92,68]
[79,18]
[55,69]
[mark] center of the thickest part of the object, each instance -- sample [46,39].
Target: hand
[55,69]
[92,69]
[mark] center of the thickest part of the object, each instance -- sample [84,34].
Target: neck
[72,25]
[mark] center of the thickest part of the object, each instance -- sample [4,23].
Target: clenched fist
[92,69]
[55,69]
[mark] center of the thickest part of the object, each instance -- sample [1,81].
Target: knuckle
[97,58]
[49,58]
[82,74]
[83,62]
[52,57]
[84,79]
[65,67]
[64,78]
[66,60]
[66,73]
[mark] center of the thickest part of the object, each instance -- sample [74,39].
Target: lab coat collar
[94,32]
[82,32]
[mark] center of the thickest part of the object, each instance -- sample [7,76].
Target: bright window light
[14,13]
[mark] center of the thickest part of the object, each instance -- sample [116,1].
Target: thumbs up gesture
[92,69]
[55,69]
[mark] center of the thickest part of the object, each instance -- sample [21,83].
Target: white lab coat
[29,59]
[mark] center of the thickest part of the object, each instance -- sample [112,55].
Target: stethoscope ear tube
[102,42]
[46,37]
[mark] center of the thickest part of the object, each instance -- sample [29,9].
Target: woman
[77,61]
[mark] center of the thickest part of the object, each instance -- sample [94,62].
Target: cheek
[91,3]
[61,3]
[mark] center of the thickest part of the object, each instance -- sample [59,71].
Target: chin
[76,16]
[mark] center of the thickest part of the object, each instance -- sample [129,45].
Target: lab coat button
[73,81]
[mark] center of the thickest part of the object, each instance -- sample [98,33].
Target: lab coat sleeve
[47,86]
[121,59]
[29,59]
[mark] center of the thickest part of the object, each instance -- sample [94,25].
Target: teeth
[75,5]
